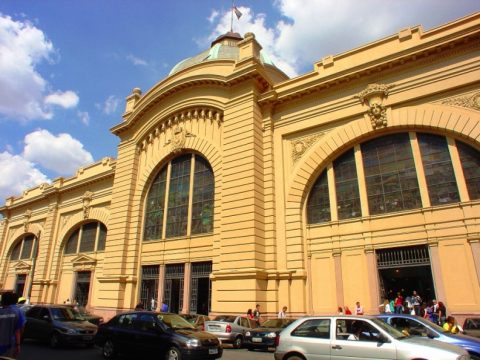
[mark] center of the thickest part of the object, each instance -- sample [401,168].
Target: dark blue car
[417,326]
[162,335]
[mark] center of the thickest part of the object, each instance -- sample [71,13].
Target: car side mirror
[383,339]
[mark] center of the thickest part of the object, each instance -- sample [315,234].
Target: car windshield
[276,323]
[390,330]
[226,318]
[175,321]
[65,314]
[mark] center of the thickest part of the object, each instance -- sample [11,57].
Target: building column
[161,286]
[186,288]
[372,275]
[436,270]
[475,247]
[337,260]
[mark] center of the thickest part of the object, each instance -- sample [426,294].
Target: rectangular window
[27,247]
[102,237]
[89,233]
[202,201]
[390,174]
[346,184]
[441,183]
[177,212]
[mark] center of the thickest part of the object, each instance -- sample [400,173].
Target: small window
[356,330]
[314,328]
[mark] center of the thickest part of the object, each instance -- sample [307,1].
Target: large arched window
[23,250]
[87,237]
[187,207]
[391,183]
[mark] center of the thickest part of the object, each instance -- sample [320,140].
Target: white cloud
[66,99]
[313,29]
[84,117]
[136,60]
[22,88]
[61,154]
[18,174]
[110,105]
[213,16]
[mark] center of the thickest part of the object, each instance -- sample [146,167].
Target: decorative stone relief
[87,198]
[26,220]
[469,101]
[174,123]
[300,146]
[374,96]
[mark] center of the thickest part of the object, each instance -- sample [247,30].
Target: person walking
[250,314]
[441,313]
[358,308]
[283,314]
[257,314]
[416,302]
[399,303]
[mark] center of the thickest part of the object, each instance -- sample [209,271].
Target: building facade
[235,185]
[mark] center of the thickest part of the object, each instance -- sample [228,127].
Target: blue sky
[66,66]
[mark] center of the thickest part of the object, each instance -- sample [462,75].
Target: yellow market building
[235,185]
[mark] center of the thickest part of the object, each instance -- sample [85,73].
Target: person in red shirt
[398,303]
[347,311]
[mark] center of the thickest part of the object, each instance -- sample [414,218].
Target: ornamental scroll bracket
[374,97]
[87,199]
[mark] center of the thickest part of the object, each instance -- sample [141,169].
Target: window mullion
[190,196]
[362,186]
[80,235]
[422,181]
[458,170]
[97,235]
[332,192]
[165,204]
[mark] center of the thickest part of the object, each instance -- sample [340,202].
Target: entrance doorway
[201,288]
[403,270]
[149,287]
[173,293]
[82,287]
[20,284]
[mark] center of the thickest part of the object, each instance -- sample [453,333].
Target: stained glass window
[318,206]
[175,220]
[442,187]
[346,185]
[390,174]
[470,159]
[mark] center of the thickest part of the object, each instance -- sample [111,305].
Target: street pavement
[32,350]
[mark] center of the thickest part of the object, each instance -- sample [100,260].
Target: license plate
[213,351]
[256,339]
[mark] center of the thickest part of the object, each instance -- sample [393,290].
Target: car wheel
[295,357]
[174,354]
[54,341]
[108,350]
[238,342]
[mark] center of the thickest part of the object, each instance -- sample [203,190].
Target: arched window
[390,168]
[24,248]
[187,206]
[86,238]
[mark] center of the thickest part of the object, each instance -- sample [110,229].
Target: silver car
[356,337]
[230,328]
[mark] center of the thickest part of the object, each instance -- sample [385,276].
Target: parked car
[94,319]
[356,337]
[230,328]
[263,337]
[471,326]
[58,325]
[418,326]
[196,320]
[166,335]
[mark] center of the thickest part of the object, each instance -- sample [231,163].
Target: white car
[357,337]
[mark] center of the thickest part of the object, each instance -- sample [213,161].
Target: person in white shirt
[283,314]
[358,309]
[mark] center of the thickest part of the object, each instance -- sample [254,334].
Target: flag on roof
[238,13]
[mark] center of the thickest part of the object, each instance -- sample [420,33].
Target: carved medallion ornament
[300,146]
[471,101]
[373,96]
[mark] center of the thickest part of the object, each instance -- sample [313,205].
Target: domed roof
[223,47]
